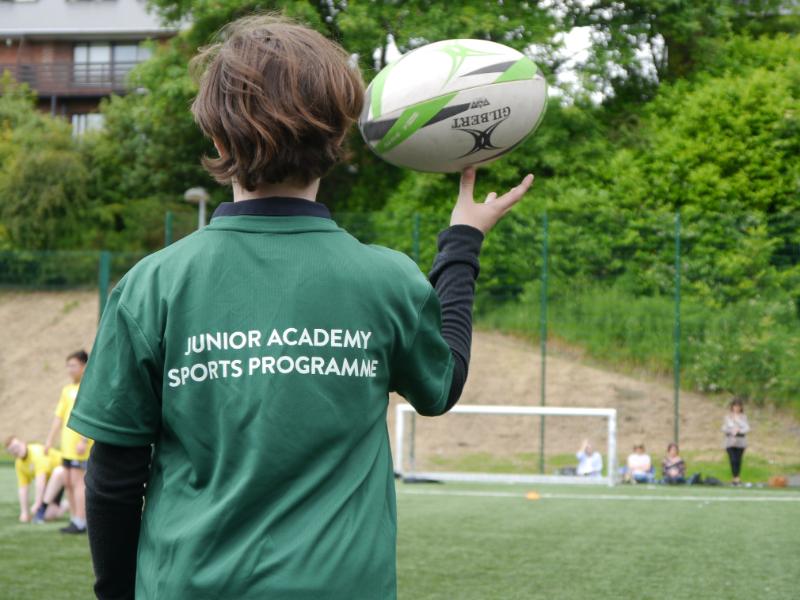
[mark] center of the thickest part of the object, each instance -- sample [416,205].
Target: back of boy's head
[278,98]
[80,356]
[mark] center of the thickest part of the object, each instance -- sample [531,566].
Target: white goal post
[410,472]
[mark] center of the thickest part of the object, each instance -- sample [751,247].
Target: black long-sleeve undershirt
[115,480]
[453,275]
[116,476]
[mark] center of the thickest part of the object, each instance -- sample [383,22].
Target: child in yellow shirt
[45,471]
[74,447]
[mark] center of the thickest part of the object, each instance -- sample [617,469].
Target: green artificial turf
[474,547]
[575,542]
[36,561]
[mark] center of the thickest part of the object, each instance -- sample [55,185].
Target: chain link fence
[711,300]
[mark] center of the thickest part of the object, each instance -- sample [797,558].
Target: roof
[80,19]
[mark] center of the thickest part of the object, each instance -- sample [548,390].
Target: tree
[631,37]
[151,147]
[42,174]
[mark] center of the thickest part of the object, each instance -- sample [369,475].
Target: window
[127,56]
[105,63]
[125,53]
[86,122]
[92,63]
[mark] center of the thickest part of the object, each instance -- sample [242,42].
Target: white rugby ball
[451,104]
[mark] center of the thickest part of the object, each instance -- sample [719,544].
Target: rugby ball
[451,104]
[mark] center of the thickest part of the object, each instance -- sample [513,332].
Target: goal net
[421,454]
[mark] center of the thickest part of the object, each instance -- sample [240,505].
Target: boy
[47,474]
[257,355]
[74,447]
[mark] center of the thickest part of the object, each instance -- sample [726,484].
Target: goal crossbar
[410,471]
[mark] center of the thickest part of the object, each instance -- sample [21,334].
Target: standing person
[735,427]
[32,465]
[673,469]
[74,446]
[257,354]
[590,463]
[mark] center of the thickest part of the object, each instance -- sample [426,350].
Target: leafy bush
[42,174]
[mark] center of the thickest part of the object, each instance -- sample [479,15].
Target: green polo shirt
[257,356]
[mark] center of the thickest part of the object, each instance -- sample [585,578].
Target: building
[75,52]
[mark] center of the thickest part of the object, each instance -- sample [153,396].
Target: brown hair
[79,355]
[278,98]
[736,402]
[8,441]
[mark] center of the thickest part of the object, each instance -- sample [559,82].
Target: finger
[465,192]
[491,197]
[515,194]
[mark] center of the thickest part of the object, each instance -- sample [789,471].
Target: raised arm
[456,267]
[445,318]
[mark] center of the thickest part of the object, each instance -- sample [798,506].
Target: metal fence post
[543,336]
[676,367]
[103,279]
[168,228]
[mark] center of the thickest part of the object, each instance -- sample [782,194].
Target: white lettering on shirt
[286,359]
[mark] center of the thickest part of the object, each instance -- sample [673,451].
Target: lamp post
[199,196]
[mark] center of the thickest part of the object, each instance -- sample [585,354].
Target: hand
[24,517]
[484,215]
[80,447]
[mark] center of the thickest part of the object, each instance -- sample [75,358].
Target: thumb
[465,192]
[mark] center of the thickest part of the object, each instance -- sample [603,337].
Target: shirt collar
[273,206]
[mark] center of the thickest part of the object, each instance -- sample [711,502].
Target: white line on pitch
[462,493]
[698,498]
[549,496]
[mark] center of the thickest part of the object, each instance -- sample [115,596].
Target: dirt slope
[506,370]
[40,328]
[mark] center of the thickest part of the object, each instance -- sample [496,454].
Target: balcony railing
[72,79]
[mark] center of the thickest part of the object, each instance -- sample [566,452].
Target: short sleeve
[22,477]
[61,407]
[422,366]
[119,401]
